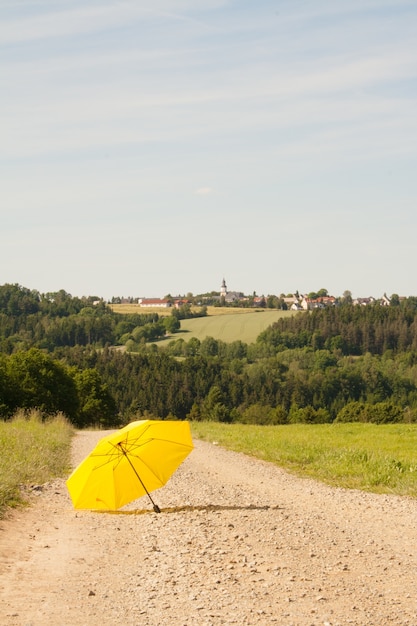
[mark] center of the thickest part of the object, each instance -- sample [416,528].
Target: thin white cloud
[85,116]
[59,24]
[204,191]
[81,20]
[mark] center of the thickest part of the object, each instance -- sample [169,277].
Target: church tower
[223,289]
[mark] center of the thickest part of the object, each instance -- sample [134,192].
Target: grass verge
[369,457]
[32,451]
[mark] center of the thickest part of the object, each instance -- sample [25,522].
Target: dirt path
[238,542]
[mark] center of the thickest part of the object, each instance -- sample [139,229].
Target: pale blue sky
[149,148]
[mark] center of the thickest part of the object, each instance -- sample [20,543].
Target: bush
[378,413]
[263,414]
[308,415]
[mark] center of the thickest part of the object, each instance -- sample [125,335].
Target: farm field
[225,323]
[131,309]
[228,328]
[128,309]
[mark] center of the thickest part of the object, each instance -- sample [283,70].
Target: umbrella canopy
[128,464]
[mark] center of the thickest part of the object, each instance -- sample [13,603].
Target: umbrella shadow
[203,507]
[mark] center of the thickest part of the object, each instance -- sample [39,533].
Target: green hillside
[229,327]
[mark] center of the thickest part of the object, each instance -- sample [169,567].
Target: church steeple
[223,289]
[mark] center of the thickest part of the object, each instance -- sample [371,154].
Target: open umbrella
[128,464]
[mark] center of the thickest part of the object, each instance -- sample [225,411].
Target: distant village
[224,297]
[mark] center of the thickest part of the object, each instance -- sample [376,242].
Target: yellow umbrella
[128,464]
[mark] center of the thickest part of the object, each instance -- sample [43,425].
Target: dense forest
[75,355]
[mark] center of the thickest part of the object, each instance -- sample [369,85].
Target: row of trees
[108,387]
[294,385]
[345,363]
[352,330]
[30,319]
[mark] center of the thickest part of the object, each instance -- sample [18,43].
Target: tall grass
[369,457]
[32,451]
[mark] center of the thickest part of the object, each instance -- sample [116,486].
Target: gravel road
[239,541]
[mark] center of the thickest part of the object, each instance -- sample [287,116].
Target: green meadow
[369,457]
[228,327]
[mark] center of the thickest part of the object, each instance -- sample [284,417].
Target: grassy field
[225,323]
[128,309]
[229,327]
[31,452]
[369,457]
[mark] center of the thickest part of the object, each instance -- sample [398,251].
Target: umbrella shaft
[155,506]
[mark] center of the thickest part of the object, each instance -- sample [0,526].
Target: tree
[272,302]
[96,405]
[213,409]
[209,347]
[4,387]
[17,300]
[193,347]
[37,381]
[171,323]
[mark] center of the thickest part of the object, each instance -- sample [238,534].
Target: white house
[155,302]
